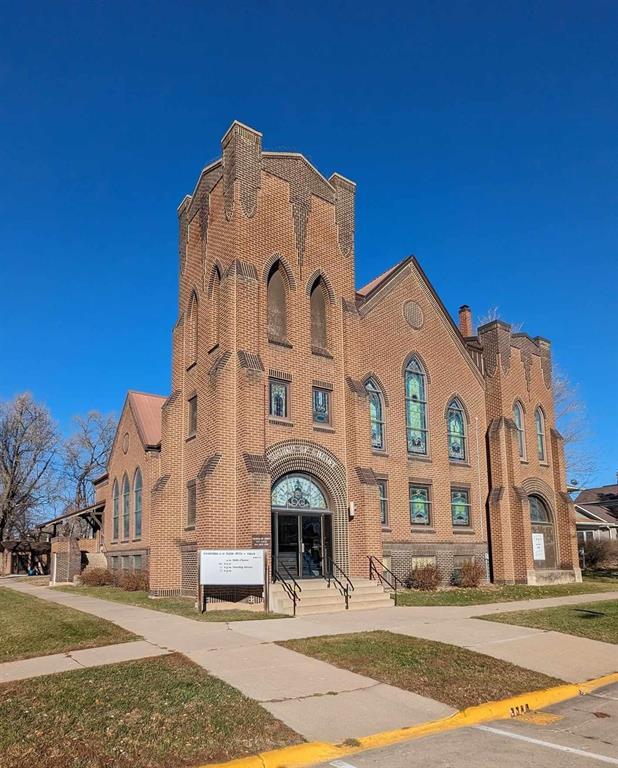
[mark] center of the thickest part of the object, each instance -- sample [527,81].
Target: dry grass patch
[453,675]
[32,627]
[180,606]
[596,621]
[153,713]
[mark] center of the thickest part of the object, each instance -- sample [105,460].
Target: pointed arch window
[319,324]
[215,312]
[376,414]
[416,407]
[116,513]
[192,330]
[137,509]
[277,305]
[539,420]
[456,426]
[126,507]
[518,418]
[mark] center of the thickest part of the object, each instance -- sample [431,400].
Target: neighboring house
[596,513]
[326,424]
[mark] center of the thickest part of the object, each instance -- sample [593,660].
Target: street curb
[311,753]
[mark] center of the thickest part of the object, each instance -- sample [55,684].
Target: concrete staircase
[317,597]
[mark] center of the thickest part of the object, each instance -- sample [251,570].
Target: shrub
[131,581]
[97,577]
[600,552]
[471,574]
[427,578]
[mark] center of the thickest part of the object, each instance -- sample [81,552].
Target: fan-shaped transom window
[539,420]
[416,407]
[456,423]
[518,418]
[298,492]
[376,414]
[538,510]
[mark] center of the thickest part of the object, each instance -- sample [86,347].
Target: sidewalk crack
[318,695]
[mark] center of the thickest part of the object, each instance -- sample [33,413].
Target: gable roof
[597,495]
[598,512]
[146,411]
[365,298]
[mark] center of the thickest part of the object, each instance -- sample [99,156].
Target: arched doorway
[302,527]
[543,534]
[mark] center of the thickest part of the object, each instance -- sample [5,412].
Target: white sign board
[240,567]
[538,546]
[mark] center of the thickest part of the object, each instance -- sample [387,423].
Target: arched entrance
[302,526]
[543,534]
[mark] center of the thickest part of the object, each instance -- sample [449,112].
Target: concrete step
[317,597]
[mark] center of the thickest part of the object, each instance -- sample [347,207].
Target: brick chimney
[465,321]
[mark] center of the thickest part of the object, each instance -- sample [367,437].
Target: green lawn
[505,594]
[453,675]
[597,621]
[182,606]
[154,713]
[32,627]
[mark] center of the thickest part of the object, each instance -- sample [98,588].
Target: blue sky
[483,138]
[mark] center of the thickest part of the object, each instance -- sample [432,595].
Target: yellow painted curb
[311,753]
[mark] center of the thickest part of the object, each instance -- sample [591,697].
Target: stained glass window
[539,420]
[383,496]
[420,504]
[278,398]
[297,492]
[376,415]
[518,418]
[416,407]
[321,406]
[116,516]
[538,510]
[126,503]
[137,490]
[460,506]
[456,424]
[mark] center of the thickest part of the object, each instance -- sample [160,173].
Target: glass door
[288,544]
[312,546]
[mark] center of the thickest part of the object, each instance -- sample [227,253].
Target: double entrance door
[302,544]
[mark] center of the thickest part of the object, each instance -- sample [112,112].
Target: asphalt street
[578,733]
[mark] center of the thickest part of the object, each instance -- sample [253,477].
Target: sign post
[231,567]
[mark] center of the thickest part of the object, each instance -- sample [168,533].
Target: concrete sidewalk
[89,657]
[323,702]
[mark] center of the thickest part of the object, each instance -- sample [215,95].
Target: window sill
[456,463]
[544,463]
[524,461]
[213,348]
[189,527]
[463,531]
[138,539]
[280,422]
[123,541]
[321,352]
[323,428]
[188,438]
[279,342]
[422,529]
[386,529]
[377,452]
[418,457]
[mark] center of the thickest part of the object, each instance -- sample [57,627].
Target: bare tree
[493,313]
[572,421]
[85,455]
[28,450]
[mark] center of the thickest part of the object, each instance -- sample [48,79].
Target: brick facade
[253,212]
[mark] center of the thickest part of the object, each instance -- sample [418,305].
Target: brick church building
[323,422]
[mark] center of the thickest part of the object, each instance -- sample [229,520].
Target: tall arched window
[539,420]
[538,510]
[137,509]
[376,414]
[192,326]
[126,507]
[116,513]
[456,426]
[319,330]
[277,304]
[215,308]
[416,407]
[518,418]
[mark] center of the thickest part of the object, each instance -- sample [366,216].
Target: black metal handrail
[344,589]
[292,592]
[381,576]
